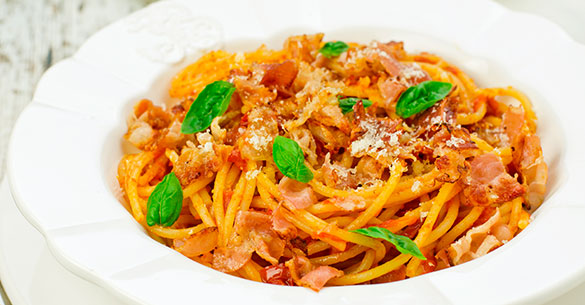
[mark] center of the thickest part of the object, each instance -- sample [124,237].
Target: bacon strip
[298,195]
[489,183]
[304,273]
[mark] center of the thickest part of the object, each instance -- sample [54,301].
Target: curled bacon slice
[280,75]
[256,228]
[304,273]
[476,242]
[277,275]
[489,183]
[198,244]
[534,171]
[297,195]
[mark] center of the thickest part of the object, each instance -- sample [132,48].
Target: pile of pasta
[457,179]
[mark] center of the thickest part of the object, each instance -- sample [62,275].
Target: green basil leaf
[403,244]
[346,104]
[420,97]
[290,159]
[332,49]
[165,202]
[211,102]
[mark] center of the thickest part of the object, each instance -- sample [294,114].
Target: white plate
[66,144]
[29,273]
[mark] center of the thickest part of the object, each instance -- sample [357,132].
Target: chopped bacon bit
[387,58]
[390,90]
[236,158]
[451,166]
[282,226]
[232,258]
[303,47]
[280,75]
[430,264]
[512,124]
[306,274]
[477,242]
[297,195]
[178,109]
[317,278]
[256,228]
[534,171]
[489,183]
[196,162]
[277,275]
[197,244]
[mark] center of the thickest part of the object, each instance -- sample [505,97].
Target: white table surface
[34,34]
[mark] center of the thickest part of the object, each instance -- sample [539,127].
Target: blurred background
[34,34]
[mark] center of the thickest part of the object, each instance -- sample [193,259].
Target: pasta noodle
[469,160]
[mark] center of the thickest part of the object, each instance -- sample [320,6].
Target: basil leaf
[211,102]
[346,104]
[290,159]
[403,244]
[333,49]
[165,202]
[420,97]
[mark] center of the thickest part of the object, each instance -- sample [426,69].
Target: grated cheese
[372,143]
[250,175]
[260,141]
[416,185]
[454,142]
[412,71]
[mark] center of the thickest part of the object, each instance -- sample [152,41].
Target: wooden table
[34,34]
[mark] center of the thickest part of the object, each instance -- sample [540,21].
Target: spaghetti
[457,179]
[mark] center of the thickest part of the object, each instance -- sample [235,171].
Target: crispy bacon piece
[279,75]
[255,143]
[318,277]
[390,89]
[303,47]
[489,183]
[477,242]
[195,162]
[255,234]
[331,115]
[197,244]
[333,138]
[236,158]
[436,116]
[256,228]
[229,259]
[534,171]
[282,226]
[277,275]
[306,274]
[386,55]
[296,195]
[512,125]
[150,127]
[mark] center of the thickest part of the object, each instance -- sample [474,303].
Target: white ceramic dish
[29,273]
[66,144]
